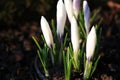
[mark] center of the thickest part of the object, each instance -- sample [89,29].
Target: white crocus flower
[76,7]
[86,11]
[61,18]
[91,43]
[69,9]
[74,37]
[46,32]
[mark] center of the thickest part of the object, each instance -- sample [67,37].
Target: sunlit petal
[61,18]
[76,7]
[46,32]
[74,37]
[86,11]
[69,9]
[91,43]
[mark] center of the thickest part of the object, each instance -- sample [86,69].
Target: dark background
[19,20]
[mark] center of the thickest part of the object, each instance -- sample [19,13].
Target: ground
[18,51]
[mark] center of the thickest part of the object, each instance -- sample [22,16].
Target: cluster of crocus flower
[62,9]
[72,10]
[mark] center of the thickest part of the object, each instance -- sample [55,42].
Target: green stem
[43,64]
[52,57]
[88,68]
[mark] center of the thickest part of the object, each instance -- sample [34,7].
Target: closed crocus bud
[74,37]
[46,32]
[76,7]
[61,18]
[86,11]
[69,9]
[91,43]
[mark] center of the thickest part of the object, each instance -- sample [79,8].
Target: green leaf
[65,39]
[67,64]
[95,65]
[36,42]
[53,26]
[82,30]
[88,68]
[94,16]
[84,60]
[43,64]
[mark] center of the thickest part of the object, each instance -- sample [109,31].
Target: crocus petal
[76,7]
[91,43]
[61,18]
[74,37]
[86,11]
[69,9]
[46,32]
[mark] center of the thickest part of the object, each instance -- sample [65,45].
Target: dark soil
[18,51]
